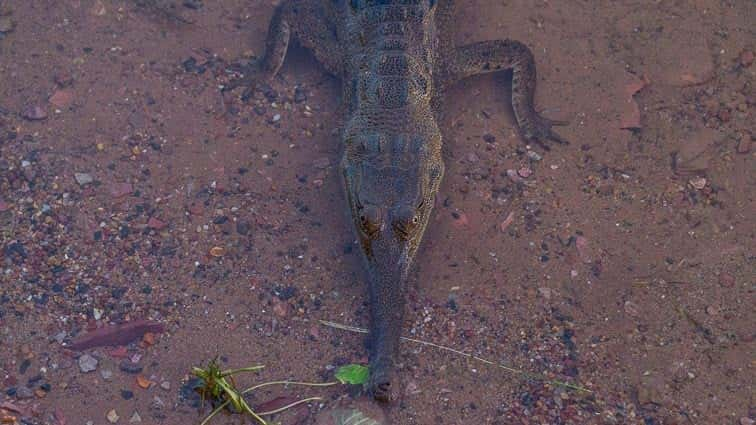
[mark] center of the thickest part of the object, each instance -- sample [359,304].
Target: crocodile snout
[381,377]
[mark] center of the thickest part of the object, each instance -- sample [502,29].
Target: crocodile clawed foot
[541,132]
[244,75]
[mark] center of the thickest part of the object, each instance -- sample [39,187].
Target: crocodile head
[391,194]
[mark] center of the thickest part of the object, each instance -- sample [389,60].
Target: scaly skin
[392,62]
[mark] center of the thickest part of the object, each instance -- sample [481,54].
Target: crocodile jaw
[388,267]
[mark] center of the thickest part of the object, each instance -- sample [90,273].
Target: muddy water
[622,262]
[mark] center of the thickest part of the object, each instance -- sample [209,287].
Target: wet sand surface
[623,262]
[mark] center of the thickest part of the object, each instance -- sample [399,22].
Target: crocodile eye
[369,221]
[415,219]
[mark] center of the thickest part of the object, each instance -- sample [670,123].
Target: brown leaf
[7,405]
[113,335]
[630,117]
[119,190]
[61,98]
[156,223]
[59,418]
[507,222]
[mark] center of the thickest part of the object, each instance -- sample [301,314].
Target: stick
[529,375]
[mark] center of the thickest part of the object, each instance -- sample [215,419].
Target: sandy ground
[623,262]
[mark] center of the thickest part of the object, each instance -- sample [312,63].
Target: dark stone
[299,95]
[193,4]
[118,292]
[189,65]
[24,366]
[527,400]
[130,368]
[285,293]
[452,304]
[243,227]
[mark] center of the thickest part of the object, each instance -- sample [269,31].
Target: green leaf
[353,374]
[351,417]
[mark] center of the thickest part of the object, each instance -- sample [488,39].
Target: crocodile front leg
[499,55]
[310,22]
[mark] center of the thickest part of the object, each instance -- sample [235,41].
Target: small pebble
[83,178]
[746,58]
[525,172]
[106,374]
[34,113]
[23,393]
[513,176]
[60,337]
[6,24]
[87,363]
[534,156]
[135,418]
[112,416]
[545,292]
[165,385]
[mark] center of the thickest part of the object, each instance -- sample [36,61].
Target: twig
[289,406]
[267,384]
[528,375]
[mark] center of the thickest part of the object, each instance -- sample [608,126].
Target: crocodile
[394,61]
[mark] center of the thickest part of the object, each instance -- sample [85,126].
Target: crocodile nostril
[382,391]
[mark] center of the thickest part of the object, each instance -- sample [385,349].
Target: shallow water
[620,262]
